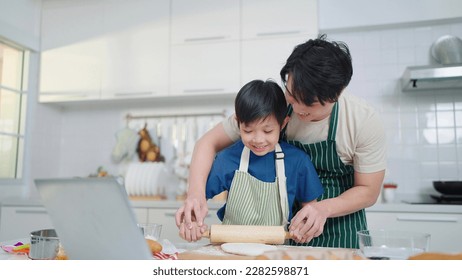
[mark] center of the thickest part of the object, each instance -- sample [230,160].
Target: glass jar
[389,191]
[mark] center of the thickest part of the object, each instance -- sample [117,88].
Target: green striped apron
[336,178]
[254,202]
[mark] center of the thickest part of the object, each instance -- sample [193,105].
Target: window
[13,88]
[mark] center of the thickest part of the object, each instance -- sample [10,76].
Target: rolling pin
[246,234]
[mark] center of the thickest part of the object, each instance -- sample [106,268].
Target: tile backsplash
[424,128]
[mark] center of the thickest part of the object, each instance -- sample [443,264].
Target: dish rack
[175,135]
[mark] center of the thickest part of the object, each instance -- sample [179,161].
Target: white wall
[424,129]
[20,26]
[335,14]
[76,140]
[20,22]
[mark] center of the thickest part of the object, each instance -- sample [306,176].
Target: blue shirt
[302,181]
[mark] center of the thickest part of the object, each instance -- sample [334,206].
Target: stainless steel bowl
[44,244]
[447,50]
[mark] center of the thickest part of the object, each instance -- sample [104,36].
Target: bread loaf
[155,246]
[436,256]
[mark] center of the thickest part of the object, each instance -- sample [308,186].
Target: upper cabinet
[104,49]
[274,18]
[71,50]
[136,49]
[270,31]
[119,49]
[204,21]
[199,69]
[205,47]
[263,59]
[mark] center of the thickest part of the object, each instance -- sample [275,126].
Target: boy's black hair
[319,69]
[259,99]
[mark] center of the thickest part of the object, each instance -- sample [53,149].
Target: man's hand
[308,223]
[193,210]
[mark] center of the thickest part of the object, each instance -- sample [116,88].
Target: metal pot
[447,50]
[44,244]
[448,187]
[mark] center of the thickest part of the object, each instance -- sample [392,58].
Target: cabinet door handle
[290,32]
[52,97]
[75,96]
[203,90]
[133,93]
[200,39]
[31,212]
[426,219]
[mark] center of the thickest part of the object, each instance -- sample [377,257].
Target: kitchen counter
[378,207]
[214,205]
[162,204]
[170,204]
[416,208]
[214,252]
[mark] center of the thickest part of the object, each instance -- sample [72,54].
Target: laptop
[93,218]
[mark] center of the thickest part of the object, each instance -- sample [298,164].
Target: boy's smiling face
[261,136]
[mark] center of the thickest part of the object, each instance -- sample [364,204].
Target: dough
[247,249]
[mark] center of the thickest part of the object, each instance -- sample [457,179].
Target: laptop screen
[93,218]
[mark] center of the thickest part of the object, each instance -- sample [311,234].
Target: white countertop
[416,208]
[378,207]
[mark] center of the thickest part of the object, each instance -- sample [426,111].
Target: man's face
[312,113]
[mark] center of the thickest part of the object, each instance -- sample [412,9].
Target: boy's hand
[193,233]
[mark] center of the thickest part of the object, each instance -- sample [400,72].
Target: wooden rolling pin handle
[206,234]
[246,234]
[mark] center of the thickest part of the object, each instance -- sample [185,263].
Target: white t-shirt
[360,135]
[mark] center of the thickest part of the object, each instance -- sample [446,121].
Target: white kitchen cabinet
[17,222]
[264,58]
[274,18]
[204,21]
[136,49]
[121,49]
[205,56]
[71,73]
[71,50]
[211,68]
[269,39]
[111,49]
[444,228]
[166,217]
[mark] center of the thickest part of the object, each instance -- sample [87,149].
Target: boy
[263,176]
